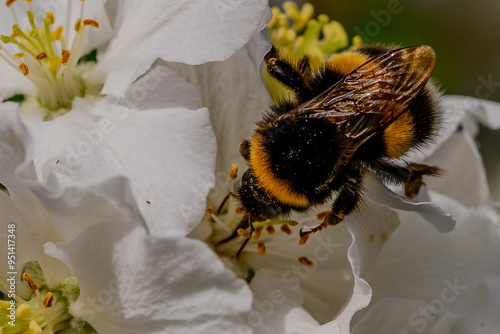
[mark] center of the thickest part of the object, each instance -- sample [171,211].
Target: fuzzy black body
[360,111]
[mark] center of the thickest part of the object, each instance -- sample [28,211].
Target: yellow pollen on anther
[270,230]
[31,283]
[50,17]
[258,232]
[305,261]
[233,172]
[35,327]
[243,233]
[10,2]
[65,54]
[18,55]
[41,56]
[78,25]
[92,23]
[48,300]
[4,304]
[209,210]
[286,229]
[261,248]
[57,34]
[23,310]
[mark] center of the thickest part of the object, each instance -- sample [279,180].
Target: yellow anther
[23,310]
[50,17]
[258,232]
[357,41]
[57,34]
[261,248]
[31,283]
[18,55]
[92,23]
[334,28]
[286,229]
[9,3]
[283,20]
[78,25]
[299,17]
[305,261]
[41,56]
[233,172]
[209,210]
[28,1]
[65,56]
[291,10]
[48,300]
[243,233]
[4,304]
[270,230]
[274,21]
[35,327]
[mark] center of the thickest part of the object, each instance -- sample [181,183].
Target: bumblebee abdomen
[414,128]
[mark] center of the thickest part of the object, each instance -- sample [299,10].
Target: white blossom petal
[448,271]
[276,309]
[421,204]
[191,32]
[394,315]
[155,137]
[131,283]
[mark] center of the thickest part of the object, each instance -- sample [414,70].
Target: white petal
[393,315]
[441,220]
[276,309]
[418,263]
[464,177]
[191,32]
[132,283]
[161,143]
[234,94]
[486,112]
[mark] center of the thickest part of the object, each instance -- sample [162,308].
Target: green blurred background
[465,35]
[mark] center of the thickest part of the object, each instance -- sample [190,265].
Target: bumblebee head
[254,200]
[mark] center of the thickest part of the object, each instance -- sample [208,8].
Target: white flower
[352,262]
[93,247]
[104,122]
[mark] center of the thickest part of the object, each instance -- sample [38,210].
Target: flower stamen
[305,261]
[47,61]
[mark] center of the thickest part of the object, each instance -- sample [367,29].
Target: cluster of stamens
[45,55]
[251,235]
[296,33]
[47,314]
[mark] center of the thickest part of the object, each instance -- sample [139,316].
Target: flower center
[233,236]
[46,311]
[44,54]
[295,33]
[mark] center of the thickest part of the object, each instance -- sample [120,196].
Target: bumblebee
[362,110]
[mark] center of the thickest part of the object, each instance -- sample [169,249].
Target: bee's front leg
[346,202]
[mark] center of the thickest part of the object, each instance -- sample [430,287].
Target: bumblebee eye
[271,211]
[245,179]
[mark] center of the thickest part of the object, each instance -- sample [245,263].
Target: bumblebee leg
[411,176]
[296,76]
[346,202]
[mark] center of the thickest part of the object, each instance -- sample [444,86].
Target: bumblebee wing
[373,95]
